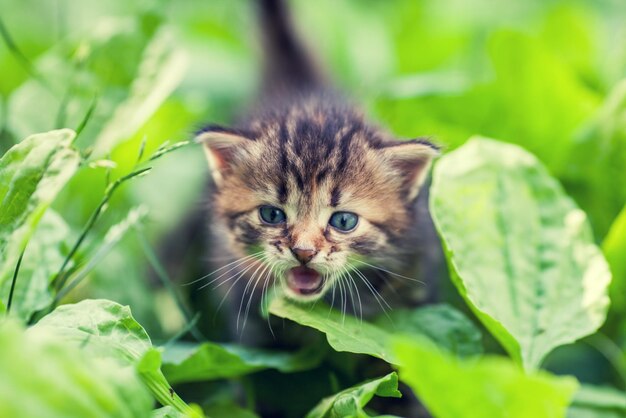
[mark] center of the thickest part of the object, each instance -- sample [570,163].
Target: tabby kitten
[307,193]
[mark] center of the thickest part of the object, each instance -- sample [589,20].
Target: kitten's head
[315,190]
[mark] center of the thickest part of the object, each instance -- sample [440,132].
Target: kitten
[309,195]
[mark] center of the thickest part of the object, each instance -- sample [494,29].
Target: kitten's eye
[271,215]
[344,221]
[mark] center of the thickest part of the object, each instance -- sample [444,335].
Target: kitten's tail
[288,66]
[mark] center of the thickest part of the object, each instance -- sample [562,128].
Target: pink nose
[302,255]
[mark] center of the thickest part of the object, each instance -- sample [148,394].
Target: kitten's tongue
[304,281]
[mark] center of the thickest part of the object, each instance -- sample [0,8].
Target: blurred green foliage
[130,75]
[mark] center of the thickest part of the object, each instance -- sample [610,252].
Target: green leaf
[108,330]
[31,174]
[162,68]
[442,324]
[102,327]
[44,255]
[208,361]
[350,402]
[167,412]
[614,247]
[149,368]
[522,253]
[43,376]
[485,387]
[347,333]
[597,402]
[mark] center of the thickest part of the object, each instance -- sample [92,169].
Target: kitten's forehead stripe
[335,196]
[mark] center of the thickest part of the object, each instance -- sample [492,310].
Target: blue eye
[344,221]
[272,215]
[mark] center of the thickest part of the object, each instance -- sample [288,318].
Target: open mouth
[304,281]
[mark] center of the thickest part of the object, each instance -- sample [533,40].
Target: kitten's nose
[303,255]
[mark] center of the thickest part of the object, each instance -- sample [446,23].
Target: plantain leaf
[107,329]
[208,361]
[31,174]
[452,388]
[43,256]
[614,247]
[43,376]
[452,331]
[522,253]
[350,402]
[597,402]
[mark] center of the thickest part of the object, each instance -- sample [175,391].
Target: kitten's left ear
[412,159]
[219,145]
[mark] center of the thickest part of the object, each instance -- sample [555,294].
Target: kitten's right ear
[219,145]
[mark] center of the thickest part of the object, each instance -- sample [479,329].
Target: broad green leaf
[31,174]
[43,257]
[208,361]
[350,402]
[479,388]
[442,324]
[162,68]
[43,376]
[107,330]
[598,402]
[522,253]
[102,327]
[614,247]
[347,333]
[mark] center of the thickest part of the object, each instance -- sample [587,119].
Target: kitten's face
[312,202]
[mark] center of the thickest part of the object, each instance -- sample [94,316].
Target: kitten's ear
[412,159]
[219,144]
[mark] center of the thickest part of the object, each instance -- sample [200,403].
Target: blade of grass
[14,281]
[166,280]
[20,56]
[60,279]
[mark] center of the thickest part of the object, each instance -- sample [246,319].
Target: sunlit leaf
[350,402]
[162,68]
[347,333]
[44,255]
[480,388]
[41,375]
[31,174]
[614,247]
[108,330]
[597,402]
[522,252]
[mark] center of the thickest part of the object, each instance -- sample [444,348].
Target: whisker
[357,295]
[264,300]
[239,260]
[243,295]
[239,277]
[374,292]
[254,264]
[387,271]
[256,282]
